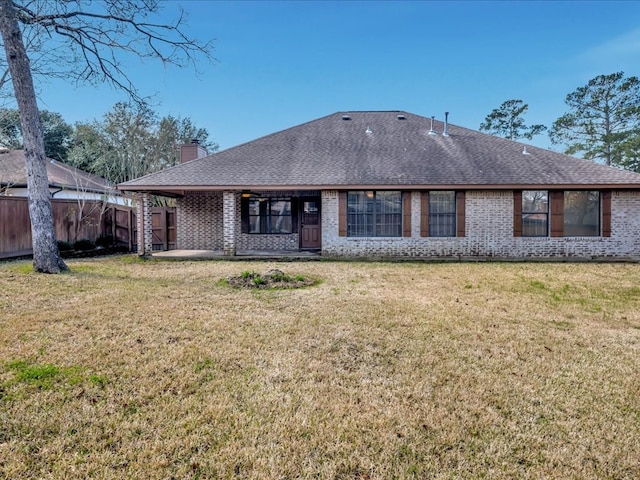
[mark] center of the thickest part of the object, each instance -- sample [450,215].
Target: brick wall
[145,224]
[489,233]
[199,221]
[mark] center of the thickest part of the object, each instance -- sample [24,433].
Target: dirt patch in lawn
[271,279]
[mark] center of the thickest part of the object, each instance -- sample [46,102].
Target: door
[310,234]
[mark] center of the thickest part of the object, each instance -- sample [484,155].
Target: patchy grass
[131,369]
[272,278]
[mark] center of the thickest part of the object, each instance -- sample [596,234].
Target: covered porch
[237,223]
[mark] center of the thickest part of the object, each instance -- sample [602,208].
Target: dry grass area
[131,369]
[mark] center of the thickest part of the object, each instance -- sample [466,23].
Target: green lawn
[130,369]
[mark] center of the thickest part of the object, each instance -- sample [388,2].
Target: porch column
[229,223]
[145,225]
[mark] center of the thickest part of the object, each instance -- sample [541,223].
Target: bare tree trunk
[46,257]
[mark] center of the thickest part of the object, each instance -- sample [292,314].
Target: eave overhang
[179,191]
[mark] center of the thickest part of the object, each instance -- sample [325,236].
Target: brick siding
[489,234]
[145,224]
[488,225]
[199,221]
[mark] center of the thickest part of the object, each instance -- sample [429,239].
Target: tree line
[129,141]
[602,123]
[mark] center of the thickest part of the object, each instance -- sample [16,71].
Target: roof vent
[346,117]
[401,117]
[432,131]
[524,151]
[445,133]
[368,131]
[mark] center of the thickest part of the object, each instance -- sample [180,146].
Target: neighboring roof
[13,172]
[382,149]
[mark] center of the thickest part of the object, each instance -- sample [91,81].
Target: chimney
[191,151]
[445,133]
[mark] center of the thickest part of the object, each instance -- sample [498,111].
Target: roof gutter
[53,194]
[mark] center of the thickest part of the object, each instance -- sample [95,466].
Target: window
[535,213]
[581,213]
[566,213]
[442,214]
[269,215]
[374,214]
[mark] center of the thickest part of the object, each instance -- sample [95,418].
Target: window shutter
[424,214]
[517,213]
[342,214]
[294,214]
[557,213]
[244,214]
[606,213]
[460,214]
[406,214]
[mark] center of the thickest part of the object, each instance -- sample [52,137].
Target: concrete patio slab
[240,255]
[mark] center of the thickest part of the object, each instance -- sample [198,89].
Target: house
[84,206]
[393,184]
[65,181]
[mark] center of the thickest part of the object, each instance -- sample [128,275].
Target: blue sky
[284,63]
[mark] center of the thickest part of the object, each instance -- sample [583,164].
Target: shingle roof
[13,172]
[382,149]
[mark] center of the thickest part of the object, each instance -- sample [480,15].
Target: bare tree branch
[89,41]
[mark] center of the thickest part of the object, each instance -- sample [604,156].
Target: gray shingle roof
[382,149]
[13,172]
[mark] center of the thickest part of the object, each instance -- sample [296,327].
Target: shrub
[105,241]
[64,246]
[83,245]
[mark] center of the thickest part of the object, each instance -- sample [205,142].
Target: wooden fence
[78,221]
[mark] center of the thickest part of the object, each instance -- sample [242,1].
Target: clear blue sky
[285,63]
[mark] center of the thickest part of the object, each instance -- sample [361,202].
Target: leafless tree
[90,41]
[89,209]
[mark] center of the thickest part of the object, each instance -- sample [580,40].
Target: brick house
[394,184]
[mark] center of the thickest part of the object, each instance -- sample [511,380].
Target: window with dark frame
[270,215]
[442,214]
[374,214]
[582,213]
[535,213]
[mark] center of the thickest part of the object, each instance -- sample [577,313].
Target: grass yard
[155,370]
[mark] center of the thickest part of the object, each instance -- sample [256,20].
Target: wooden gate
[163,221]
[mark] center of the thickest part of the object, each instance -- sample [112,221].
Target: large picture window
[535,213]
[270,215]
[581,213]
[442,214]
[374,214]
